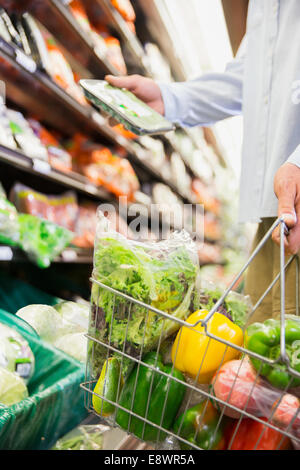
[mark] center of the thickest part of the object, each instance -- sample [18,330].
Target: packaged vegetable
[61,210]
[85,226]
[125,107]
[36,42]
[74,344]
[152,396]
[78,11]
[45,320]
[42,240]
[6,134]
[264,339]
[12,388]
[201,426]
[9,223]
[104,168]
[250,434]
[236,384]
[205,196]
[58,157]
[84,437]
[198,355]
[15,353]
[125,9]
[59,69]
[235,306]
[51,323]
[75,316]
[161,274]
[25,137]
[114,54]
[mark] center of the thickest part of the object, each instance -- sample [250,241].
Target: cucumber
[107,386]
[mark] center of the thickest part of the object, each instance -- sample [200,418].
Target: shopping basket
[176,438]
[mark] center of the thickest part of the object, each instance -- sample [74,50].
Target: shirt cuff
[295,157]
[169,100]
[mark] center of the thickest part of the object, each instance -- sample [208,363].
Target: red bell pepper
[250,431]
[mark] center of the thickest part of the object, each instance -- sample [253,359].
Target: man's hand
[287,190]
[144,88]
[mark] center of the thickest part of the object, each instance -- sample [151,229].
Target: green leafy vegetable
[162,278]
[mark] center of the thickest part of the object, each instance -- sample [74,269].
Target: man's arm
[207,99]
[203,101]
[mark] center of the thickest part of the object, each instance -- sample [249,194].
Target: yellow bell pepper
[193,349]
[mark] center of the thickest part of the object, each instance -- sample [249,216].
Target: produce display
[102,167]
[15,353]
[12,388]
[62,325]
[42,240]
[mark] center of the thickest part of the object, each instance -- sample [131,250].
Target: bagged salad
[161,274]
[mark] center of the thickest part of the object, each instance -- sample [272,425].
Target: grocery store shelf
[35,91]
[117,23]
[160,33]
[71,255]
[56,17]
[44,170]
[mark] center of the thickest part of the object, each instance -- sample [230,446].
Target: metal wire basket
[135,357]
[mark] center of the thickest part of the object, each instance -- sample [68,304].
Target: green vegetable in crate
[109,385]
[200,425]
[15,353]
[161,274]
[12,387]
[264,339]
[152,396]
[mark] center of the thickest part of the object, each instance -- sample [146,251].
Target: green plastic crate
[56,401]
[15,294]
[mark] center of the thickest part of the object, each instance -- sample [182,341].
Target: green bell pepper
[264,339]
[166,396]
[200,425]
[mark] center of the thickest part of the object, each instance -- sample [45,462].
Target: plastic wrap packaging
[125,9]
[238,384]
[12,388]
[85,437]
[61,210]
[9,222]
[162,274]
[6,134]
[103,168]
[25,137]
[15,353]
[78,11]
[50,58]
[58,157]
[42,240]
[62,325]
[205,196]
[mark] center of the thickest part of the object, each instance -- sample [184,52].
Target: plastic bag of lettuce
[162,274]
